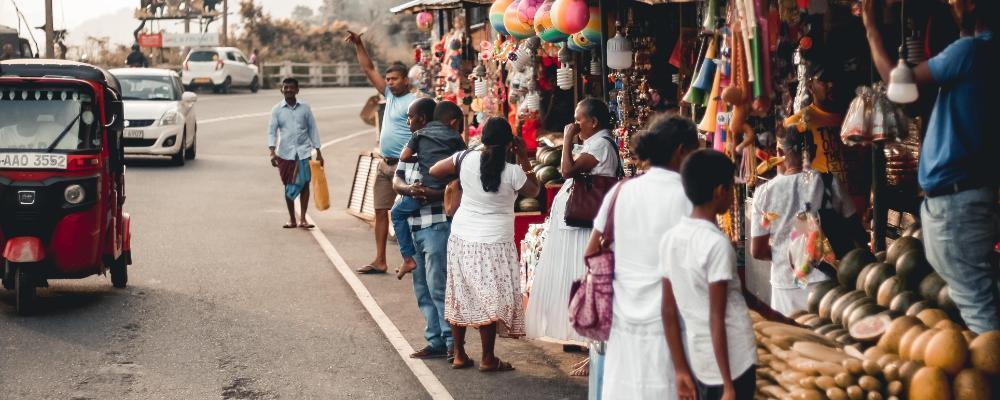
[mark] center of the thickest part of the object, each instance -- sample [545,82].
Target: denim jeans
[959,232]
[429,280]
[404,209]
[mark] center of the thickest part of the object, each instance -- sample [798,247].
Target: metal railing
[342,74]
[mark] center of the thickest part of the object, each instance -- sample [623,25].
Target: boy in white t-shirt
[700,279]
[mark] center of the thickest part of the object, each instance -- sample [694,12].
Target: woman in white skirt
[637,363]
[561,261]
[484,285]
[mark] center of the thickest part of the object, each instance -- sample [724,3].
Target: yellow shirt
[850,165]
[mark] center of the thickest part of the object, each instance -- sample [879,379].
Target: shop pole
[880,214]
[602,9]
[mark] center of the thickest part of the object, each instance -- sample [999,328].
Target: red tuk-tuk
[62,176]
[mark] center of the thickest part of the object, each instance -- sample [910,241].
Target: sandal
[306,225]
[467,364]
[369,269]
[289,225]
[502,366]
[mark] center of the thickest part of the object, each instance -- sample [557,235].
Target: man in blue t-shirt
[958,161]
[395,133]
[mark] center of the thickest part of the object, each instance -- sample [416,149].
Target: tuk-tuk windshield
[51,119]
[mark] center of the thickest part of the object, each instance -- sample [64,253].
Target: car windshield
[203,56]
[159,88]
[53,119]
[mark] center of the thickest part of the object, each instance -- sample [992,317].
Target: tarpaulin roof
[415,6]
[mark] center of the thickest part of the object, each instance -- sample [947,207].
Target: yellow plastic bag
[321,195]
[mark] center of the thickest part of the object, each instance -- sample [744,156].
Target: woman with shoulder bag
[561,260]
[484,284]
[637,362]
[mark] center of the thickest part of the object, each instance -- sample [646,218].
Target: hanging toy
[526,11]
[570,16]
[517,29]
[544,27]
[425,21]
[497,15]
[592,31]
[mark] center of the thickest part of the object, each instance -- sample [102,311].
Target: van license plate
[133,133]
[32,161]
[203,80]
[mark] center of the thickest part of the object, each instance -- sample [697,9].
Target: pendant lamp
[619,52]
[902,87]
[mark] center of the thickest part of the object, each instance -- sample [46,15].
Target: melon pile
[546,167]
[889,321]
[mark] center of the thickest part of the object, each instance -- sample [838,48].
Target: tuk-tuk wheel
[119,273]
[24,289]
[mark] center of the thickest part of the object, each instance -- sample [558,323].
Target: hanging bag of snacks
[855,130]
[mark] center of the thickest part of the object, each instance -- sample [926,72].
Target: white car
[220,68]
[159,115]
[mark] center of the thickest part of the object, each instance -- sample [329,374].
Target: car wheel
[8,275]
[178,159]
[24,289]
[193,151]
[119,273]
[227,85]
[254,85]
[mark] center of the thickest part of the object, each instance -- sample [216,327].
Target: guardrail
[314,74]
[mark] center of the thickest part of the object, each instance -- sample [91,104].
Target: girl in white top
[561,260]
[637,363]
[483,289]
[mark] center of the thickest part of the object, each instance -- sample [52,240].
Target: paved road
[223,303]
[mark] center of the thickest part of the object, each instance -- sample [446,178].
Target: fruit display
[881,330]
[546,167]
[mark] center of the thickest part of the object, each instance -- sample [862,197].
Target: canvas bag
[587,193]
[590,305]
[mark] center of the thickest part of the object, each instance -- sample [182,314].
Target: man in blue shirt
[292,136]
[958,160]
[395,133]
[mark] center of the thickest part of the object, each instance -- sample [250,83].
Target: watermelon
[880,256]
[816,322]
[945,302]
[826,303]
[547,174]
[852,264]
[862,311]
[551,158]
[931,286]
[887,291]
[837,310]
[817,292]
[529,204]
[903,301]
[878,274]
[863,275]
[912,267]
[823,330]
[853,306]
[917,307]
[902,246]
[870,328]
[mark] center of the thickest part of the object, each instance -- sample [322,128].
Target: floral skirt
[484,286]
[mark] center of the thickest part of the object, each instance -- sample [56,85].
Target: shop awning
[415,6]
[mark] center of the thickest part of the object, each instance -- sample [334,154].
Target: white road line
[268,113]
[348,137]
[389,329]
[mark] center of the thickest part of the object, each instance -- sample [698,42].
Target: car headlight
[74,194]
[169,118]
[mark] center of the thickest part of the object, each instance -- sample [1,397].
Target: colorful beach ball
[544,27]
[527,9]
[581,41]
[570,44]
[515,27]
[593,29]
[425,21]
[570,16]
[496,15]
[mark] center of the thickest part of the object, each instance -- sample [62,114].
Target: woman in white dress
[484,286]
[637,363]
[561,261]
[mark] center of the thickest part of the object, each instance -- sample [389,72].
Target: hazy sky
[72,14]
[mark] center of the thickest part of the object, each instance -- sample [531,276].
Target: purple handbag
[591,296]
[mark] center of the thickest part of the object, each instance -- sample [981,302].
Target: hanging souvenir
[425,21]
[570,16]
[544,27]
[592,31]
[526,11]
[519,30]
[497,15]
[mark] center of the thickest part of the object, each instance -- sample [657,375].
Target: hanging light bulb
[595,63]
[619,52]
[902,87]
[565,78]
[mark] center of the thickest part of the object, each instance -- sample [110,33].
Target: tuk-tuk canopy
[37,68]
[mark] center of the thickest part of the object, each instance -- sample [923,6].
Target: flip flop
[289,225]
[306,225]
[502,366]
[467,364]
[369,269]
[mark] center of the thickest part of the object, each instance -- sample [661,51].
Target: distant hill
[117,26]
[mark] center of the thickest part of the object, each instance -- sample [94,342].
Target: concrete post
[50,47]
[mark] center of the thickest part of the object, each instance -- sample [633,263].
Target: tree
[304,13]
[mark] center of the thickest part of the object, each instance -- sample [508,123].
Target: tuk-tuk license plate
[32,161]
[133,133]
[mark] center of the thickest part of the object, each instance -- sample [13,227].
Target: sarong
[295,175]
